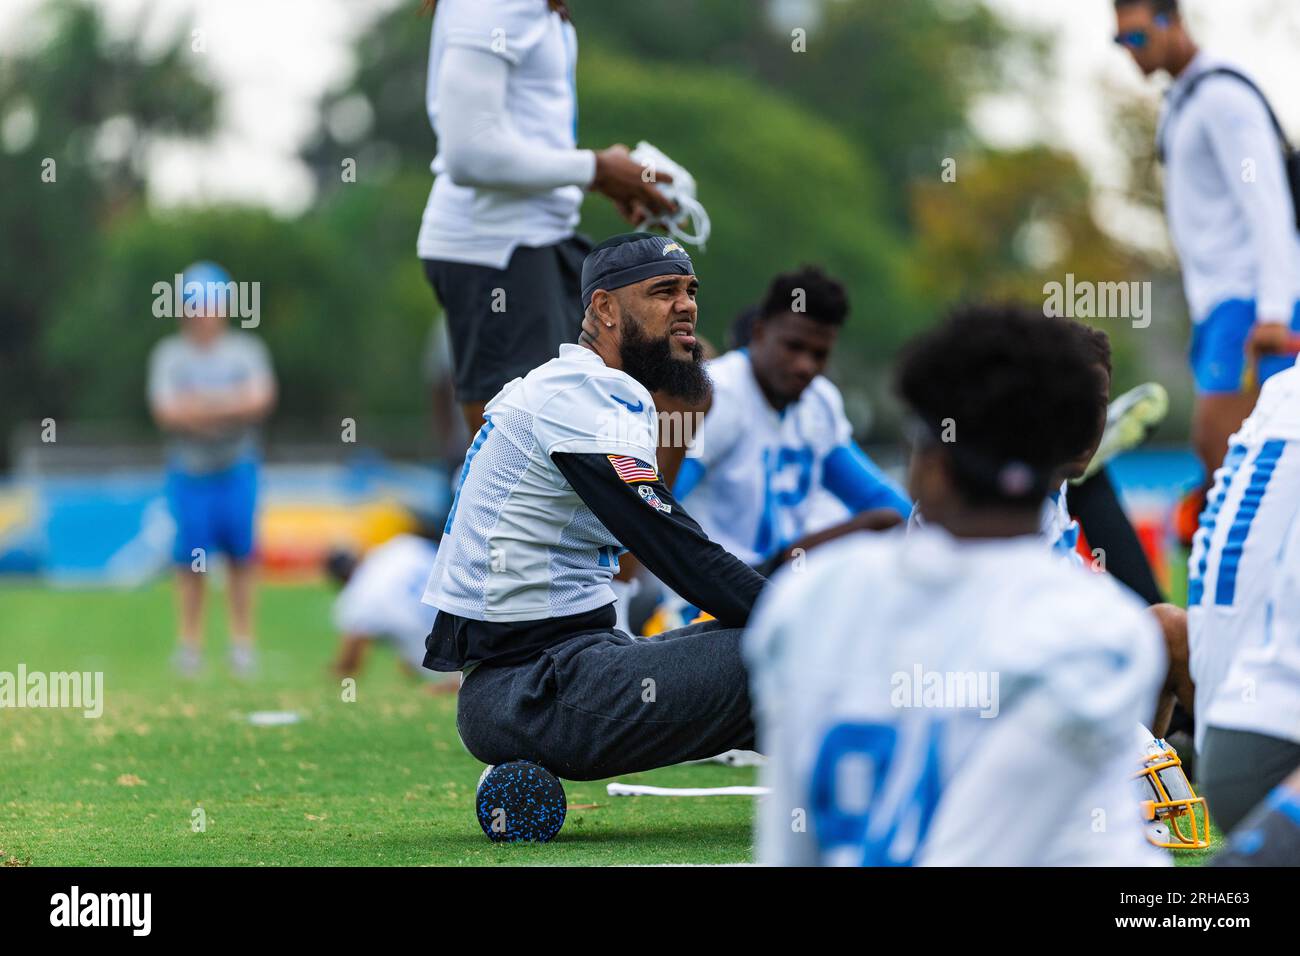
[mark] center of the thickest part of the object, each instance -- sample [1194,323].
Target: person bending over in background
[380,603]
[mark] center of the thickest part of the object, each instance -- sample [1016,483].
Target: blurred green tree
[897,79]
[345,341]
[79,110]
[810,192]
[841,167]
[1014,221]
[346,308]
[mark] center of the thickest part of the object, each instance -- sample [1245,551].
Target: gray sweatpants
[603,704]
[1237,769]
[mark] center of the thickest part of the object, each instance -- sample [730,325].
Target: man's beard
[650,362]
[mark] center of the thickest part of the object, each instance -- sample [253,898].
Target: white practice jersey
[480,225]
[1236,562]
[520,544]
[1235,234]
[762,466]
[1060,530]
[1261,692]
[928,701]
[382,599]
[1056,527]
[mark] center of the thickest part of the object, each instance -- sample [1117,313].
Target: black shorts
[503,323]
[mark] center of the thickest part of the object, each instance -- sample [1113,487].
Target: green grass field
[383,780]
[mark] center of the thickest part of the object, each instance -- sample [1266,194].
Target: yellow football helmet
[1169,805]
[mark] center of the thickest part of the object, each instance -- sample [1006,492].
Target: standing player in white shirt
[1231,215]
[775,435]
[497,238]
[964,697]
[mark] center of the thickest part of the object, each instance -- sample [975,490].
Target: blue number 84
[872,749]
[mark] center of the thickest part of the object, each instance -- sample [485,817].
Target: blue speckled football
[520,801]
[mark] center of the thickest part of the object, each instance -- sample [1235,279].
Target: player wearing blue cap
[209,388]
[561,478]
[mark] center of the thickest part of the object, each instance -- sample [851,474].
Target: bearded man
[560,480]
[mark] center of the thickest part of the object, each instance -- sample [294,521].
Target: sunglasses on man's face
[1133,39]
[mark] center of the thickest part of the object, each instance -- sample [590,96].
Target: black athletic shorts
[503,323]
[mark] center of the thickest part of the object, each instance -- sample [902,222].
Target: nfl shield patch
[653,500]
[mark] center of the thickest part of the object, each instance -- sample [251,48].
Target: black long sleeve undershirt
[1102,517]
[668,542]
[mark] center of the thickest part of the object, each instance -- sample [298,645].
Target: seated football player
[1130,420]
[1244,609]
[964,697]
[775,438]
[1062,532]
[1127,422]
[380,603]
[559,480]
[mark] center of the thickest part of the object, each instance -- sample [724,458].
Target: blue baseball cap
[631,258]
[206,274]
[204,271]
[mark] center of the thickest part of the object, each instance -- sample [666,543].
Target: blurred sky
[273,58]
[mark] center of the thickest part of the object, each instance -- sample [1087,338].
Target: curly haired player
[949,666]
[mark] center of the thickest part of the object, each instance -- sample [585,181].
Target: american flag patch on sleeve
[632,469]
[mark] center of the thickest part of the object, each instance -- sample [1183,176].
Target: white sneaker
[187,661]
[741,758]
[736,758]
[243,660]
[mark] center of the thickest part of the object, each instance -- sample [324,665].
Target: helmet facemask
[1177,819]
